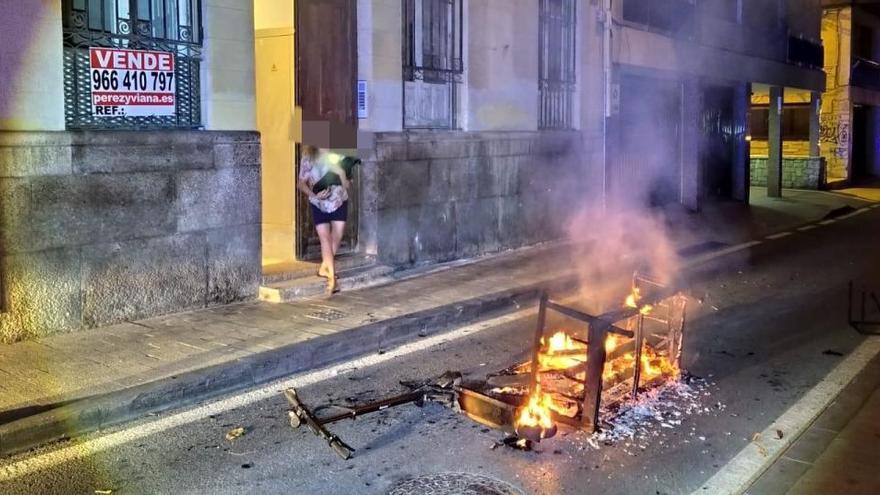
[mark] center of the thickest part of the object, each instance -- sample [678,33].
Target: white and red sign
[131,83]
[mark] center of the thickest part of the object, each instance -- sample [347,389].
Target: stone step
[303,269]
[312,286]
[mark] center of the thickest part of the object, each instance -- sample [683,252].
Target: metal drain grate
[453,484]
[326,314]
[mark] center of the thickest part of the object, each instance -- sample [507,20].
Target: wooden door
[326,63]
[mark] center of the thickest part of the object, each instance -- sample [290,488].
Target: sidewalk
[839,452]
[68,384]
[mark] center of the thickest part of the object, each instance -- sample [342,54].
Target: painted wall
[31,75]
[503,65]
[228,86]
[272,14]
[836,112]
[278,123]
[380,63]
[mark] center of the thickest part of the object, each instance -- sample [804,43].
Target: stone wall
[437,196]
[797,173]
[100,227]
[761,148]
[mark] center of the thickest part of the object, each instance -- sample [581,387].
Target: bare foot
[322,272]
[332,286]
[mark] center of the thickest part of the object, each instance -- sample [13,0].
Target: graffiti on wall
[834,130]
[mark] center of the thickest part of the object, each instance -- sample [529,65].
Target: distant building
[129,191]
[850,117]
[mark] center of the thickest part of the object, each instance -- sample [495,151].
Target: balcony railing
[865,73]
[806,53]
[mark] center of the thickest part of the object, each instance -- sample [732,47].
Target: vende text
[108,58]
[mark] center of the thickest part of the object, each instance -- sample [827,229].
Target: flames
[561,352]
[565,356]
[632,301]
[535,421]
[537,411]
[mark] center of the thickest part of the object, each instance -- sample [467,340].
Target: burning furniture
[614,354]
[570,375]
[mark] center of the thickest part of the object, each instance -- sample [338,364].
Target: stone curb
[93,413]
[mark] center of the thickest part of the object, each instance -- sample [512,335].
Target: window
[725,10]
[795,122]
[171,26]
[432,62]
[764,15]
[674,17]
[557,63]
[863,41]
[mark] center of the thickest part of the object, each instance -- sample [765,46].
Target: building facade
[482,124]
[851,35]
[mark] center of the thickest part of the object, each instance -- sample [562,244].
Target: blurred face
[309,151]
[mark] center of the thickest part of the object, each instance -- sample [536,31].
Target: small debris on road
[779,434]
[234,433]
[830,352]
[761,449]
[103,492]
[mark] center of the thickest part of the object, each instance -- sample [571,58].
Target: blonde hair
[309,151]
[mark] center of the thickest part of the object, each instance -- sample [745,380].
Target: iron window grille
[557,61]
[432,62]
[173,26]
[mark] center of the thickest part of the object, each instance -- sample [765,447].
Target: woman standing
[329,206]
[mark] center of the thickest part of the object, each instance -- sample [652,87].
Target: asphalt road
[762,331]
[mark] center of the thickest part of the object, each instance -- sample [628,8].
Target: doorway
[717,147]
[648,172]
[305,69]
[865,157]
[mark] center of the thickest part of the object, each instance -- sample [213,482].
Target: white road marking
[28,463]
[778,236]
[828,222]
[738,474]
[723,252]
[807,227]
[850,215]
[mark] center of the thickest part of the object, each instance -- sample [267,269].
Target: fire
[534,420]
[654,364]
[560,341]
[611,342]
[632,301]
[557,354]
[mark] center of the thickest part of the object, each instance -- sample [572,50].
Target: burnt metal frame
[863,325]
[598,328]
[445,65]
[140,30]
[557,63]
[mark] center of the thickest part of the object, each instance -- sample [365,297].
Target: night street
[440,247]
[768,329]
